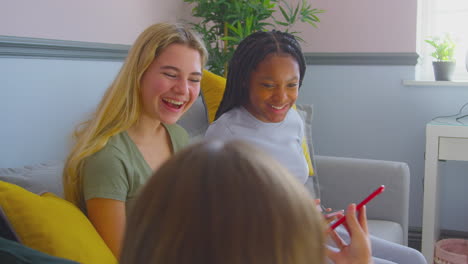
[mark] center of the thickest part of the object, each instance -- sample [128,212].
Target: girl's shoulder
[176,130]
[179,136]
[117,146]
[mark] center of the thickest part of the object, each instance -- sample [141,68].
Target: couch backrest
[195,120]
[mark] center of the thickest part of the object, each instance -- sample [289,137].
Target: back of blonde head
[223,203]
[120,107]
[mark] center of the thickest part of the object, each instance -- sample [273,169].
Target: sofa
[32,205]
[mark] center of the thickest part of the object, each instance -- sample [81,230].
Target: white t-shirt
[283,140]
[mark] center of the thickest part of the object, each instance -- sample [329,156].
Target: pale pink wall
[363,26]
[347,25]
[108,21]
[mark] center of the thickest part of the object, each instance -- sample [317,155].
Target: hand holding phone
[328,213]
[333,213]
[360,205]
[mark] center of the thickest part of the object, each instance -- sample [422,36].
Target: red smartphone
[360,205]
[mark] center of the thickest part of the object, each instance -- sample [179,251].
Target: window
[437,17]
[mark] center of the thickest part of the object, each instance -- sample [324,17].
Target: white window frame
[427,21]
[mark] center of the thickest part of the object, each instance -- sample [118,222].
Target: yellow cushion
[52,225]
[212,88]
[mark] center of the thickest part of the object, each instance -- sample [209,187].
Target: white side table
[445,140]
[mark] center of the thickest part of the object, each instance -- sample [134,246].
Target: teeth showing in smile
[278,107]
[174,102]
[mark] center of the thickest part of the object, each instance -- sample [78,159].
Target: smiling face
[273,88]
[171,83]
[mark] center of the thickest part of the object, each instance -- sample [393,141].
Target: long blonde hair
[120,107]
[228,203]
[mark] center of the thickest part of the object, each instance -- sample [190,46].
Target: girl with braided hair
[263,81]
[262,85]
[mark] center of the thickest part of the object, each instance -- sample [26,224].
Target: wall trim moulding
[60,49]
[23,47]
[385,58]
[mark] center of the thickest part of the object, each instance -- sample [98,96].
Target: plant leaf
[285,15]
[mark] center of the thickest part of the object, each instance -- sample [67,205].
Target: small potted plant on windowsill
[444,63]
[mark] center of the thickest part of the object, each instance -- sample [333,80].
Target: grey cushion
[346,180]
[195,120]
[305,112]
[388,230]
[38,178]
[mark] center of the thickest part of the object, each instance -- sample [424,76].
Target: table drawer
[453,148]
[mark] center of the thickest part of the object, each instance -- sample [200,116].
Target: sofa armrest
[349,180]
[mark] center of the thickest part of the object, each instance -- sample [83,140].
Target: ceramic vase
[443,70]
[466,60]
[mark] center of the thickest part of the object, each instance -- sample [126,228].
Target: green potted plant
[444,60]
[226,22]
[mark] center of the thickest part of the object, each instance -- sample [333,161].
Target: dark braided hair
[250,52]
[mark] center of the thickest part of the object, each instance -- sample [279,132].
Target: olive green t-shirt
[118,170]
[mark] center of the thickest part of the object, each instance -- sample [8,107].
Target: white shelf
[463,83]
[443,142]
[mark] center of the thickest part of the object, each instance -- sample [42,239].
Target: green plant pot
[443,70]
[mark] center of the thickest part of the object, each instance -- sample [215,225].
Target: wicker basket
[451,251]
